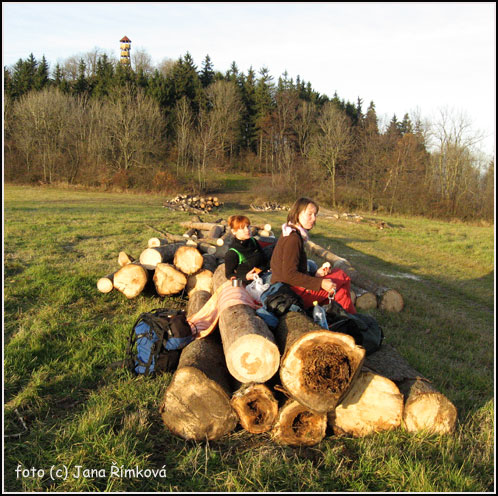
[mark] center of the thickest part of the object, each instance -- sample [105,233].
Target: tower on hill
[125,50]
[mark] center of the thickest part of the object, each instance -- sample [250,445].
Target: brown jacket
[289,263]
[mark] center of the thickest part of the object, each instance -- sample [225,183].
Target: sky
[407,57]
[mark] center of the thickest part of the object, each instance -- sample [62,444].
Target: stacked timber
[194,204]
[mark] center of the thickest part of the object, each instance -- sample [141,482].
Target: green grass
[60,334]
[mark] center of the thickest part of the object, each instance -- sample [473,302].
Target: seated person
[289,263]
[245,257]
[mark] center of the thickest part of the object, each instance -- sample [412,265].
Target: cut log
[387,298]
[150,257]
[105,284]
[200,281]
[202,226]
[298,426]
[131,279]
[196,301]
[188,259]
[219,277]
[425,408]
[317,366]
[168,280]
[209,262]
[256,407]
[250,349]
[191,233]
[365,300]
[206,247]
[124,258]
[372,404]
[215,232]
[196,404]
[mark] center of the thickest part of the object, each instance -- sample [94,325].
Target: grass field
[91,430]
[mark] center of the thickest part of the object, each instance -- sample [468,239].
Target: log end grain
[131,279]
[430,411]
[256,407]
[365,301]
[373,404]
[200,281]
[105,285]
[188,259]
[391,301]
[319,367]
[196,408]
[168,280]
[298,426]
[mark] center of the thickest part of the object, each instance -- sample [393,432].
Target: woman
[289,263]
[245,257]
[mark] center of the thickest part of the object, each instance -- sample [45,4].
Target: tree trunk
[131,279]
[298,426]
[425,407]
[373,404]
[188,259]
[365,300]
[256,407]
[200,281]
[106,284]
[317,366]
[124,259]
[196,301]
[209,262]
[219,276]
[168,280]
[387,299]
[150,257]
[202,226]
[250,350]
[196,404]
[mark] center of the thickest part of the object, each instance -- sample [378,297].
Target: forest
[95,122]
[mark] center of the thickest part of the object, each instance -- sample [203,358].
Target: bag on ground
[155,340]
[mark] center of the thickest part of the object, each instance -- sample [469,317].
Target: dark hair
[299,205]
[237,222]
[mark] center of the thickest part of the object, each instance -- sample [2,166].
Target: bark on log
[150,257]
[219,276]
[425,407]
[188,259]
[204,247]
[256,407]
[296,425]
[131,279]
[168,280]
[196,404]
[196,301]
[215,232]
[202,226]
[200,281]
[105,284]
[387,298]
[250,349]
[209,262]
[373,404]
[124,258]
[317,366]
[365,300]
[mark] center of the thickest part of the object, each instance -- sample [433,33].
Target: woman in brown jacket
[289,263]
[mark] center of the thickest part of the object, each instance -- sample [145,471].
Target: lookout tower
[125,50]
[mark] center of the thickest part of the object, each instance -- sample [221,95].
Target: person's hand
[328,285]
[324,270]
[252,273]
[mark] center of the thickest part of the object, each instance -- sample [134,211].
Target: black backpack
[279,301]
[156,340]
[363,328]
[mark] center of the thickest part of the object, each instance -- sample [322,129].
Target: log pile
[293,383]
[194,204]
[268,206]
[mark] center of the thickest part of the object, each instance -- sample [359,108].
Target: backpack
[363,328]
[279,298]
[156,339]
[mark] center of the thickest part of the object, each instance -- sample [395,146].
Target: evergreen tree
[41,76]
[406,125]
[186,81]
[393,131]
[207,74]
[23,76]
[81,86]
[104,75]
[248,133]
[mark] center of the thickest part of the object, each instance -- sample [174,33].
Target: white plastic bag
[257,288]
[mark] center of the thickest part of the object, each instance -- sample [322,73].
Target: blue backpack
[156,340]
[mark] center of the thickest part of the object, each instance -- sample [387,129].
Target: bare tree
[141,61]
[304,125]
[184,129]
[333,141]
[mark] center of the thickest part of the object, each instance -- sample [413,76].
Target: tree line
[96,122]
